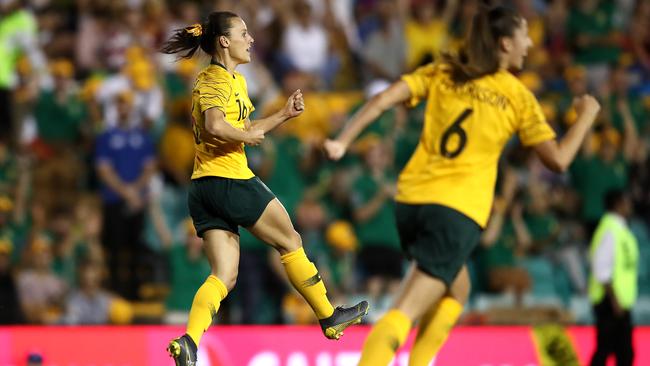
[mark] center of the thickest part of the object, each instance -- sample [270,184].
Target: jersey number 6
[455,129]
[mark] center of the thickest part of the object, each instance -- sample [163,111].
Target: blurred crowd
[96,151]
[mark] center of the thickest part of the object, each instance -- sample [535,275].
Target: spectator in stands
[427,31]
[74,232]
[380,258]
[384,53]
[623,104]
[305,41]
[18,36]
[40,290]
[541,222]
[337,260]
[89,303]
[595,37]
[188,270]
[125,163]
[337,16]
[614,259]
[501,247]
[138,77]
[91,34]
[59,111]
[60,115]
[596,172]
[120,31]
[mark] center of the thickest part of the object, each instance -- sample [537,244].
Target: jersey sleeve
[419,82]
[533,127]
[214,92]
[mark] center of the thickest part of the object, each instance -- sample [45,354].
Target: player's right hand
[255,137]
[334,149]
[586,104]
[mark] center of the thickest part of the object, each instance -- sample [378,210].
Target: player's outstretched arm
[398,92]
[558,155]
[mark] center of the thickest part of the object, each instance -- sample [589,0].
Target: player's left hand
[295,105]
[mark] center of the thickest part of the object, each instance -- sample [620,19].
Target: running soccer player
[225,194]
[445,192]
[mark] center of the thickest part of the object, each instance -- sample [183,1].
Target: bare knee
[229,278]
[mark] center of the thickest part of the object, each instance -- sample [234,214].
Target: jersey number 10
[243,110]
[455,129]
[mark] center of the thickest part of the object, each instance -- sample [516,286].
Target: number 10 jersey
[466,126]
[216,87]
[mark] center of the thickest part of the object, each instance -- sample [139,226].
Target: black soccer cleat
[182,350]
[342,318]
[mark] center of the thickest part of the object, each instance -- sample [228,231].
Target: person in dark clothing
[614,256]
[125,163]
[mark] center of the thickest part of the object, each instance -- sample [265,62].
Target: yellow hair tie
[195,30]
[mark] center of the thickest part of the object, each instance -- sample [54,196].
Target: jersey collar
[213,62]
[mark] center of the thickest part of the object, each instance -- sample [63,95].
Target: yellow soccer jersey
[215,87]
[465,129]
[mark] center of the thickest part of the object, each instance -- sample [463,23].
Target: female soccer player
[224,194]
[445,192]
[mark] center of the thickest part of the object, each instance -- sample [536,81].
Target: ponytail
[480,54]
[188,38]
[200,35]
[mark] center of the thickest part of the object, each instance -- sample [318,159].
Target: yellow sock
[434,330]
[205,306]
[305,278]
[385,338]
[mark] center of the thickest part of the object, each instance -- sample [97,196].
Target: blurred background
[85,97]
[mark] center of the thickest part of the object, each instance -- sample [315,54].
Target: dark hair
[200,35]
[479,55]
[613,198]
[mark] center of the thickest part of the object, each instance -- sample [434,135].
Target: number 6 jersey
[465,129]
[216,87]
